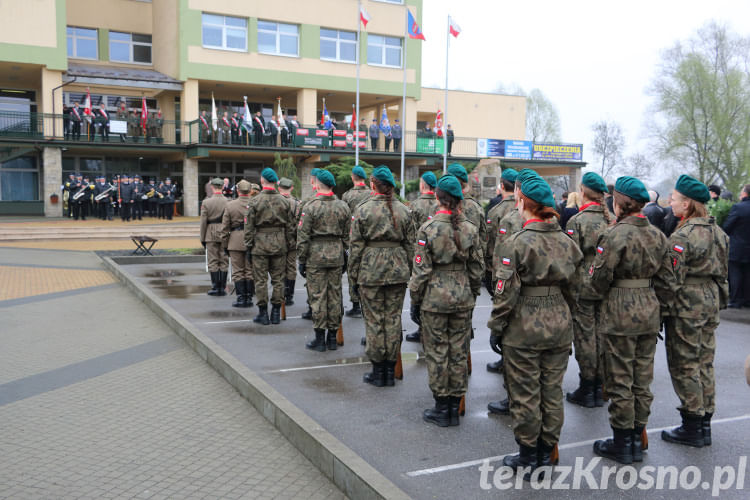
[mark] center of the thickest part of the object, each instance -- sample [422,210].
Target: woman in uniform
[531,319]
[445,281]
[698,251]
[382,249]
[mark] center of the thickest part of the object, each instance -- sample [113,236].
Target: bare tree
[638,165]
[542,119]
[608,146]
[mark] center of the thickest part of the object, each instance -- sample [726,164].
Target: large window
[19,179]
[384,51]
[82,43]
[224,32]
[278,39]
[338,45]
[129,47]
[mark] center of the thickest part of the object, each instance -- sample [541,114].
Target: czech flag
[413,27]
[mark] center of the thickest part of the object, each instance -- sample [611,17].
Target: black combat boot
[331,340]
[377,376]
[706,424]
[499,407]
[239,288]
[390,373]
[455,402]
[308,314]
[544,454]
[584,395]
[363,341]
[214,291]
[275,314]
[598,393]
[262,316]
[290,292]
[527,457]
[222,285]
[440,415]
[319,344]
[495,366]
[414,336]
[690,433]
[637,443]
[619,448]
[355,311]
[249,292]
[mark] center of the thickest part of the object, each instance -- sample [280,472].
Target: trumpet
[104,193]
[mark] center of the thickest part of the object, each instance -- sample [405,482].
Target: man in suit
[737,226]
[258,129]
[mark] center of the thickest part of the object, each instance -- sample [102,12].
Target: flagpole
[355,125]
[403,105]
[445,106]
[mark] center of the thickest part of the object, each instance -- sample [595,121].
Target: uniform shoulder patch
[500,286]
[506,261]
[421,243]
[599,250]
[570,232]
[418,259]
[678,249]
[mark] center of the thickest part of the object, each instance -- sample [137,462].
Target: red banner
[339,133]
[339,144]
[321,133]
[362,133]
[303,131]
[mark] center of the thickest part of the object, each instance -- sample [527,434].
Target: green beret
[326,178]
[269,175]
[243,186]
[314,172]
[450,185]
[692,188]
[359,172]
[594,181]
[429,179]
[538,190]
[286,183]
[509,175]
[457,170]
[217,182]
[526,174]
[383,174]
[632,187]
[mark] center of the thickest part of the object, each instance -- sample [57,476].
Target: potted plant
[54,198]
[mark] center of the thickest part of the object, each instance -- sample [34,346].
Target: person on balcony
[374,135]
[102,121]
[259,128]
[75,119]
[205,127]
[396,134]
[449,138]
[122,115]
[272,132]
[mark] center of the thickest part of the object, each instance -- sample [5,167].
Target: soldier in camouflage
[585,228]
[531,319]
[314,186]
[422,210]
[698,250]
[212,213]
[353,197]
[269,236]
[322,240]
[631,266]
[285,189]
[382,249]
[233,241]
[445,281]
[470,207]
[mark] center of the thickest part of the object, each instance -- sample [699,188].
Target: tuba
[81,192]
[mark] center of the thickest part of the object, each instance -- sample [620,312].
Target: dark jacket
[737,226]
[566,214]
[655,215]
[126,192]
[494,201]
[670,222]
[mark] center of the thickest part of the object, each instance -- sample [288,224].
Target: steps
[158,231]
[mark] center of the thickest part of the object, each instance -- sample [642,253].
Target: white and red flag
[144,113]
[453,27]
[439,123]
[87,104]
[364,16]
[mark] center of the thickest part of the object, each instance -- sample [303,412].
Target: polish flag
[453,27]
[87,104]
[353,122]
[364,16]
[144,113]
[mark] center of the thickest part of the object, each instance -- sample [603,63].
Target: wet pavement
[385,427]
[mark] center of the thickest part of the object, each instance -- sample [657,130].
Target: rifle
[340,334]
[462,406]
[468,360]
[283,309]
[644,439]
[554,456]
[398,371]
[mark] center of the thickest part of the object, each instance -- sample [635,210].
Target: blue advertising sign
[564,152]
[490,147]
[518,149]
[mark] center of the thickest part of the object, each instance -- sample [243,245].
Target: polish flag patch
[429,217]
[502,230]
[599,250]
[489,221]
[352,217]
[421,243]
[506,261]
[570,231]
[500,286]
[678,249]
[418,259]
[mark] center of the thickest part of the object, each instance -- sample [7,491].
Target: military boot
[355,311]
[690,433]
[222,285]
[308,313]
[214,284]
[249,292]
[440,415]
[455,402]
[239,288]
[584,395]
[275,314]
[706,424]
[319,344]
[619,448]
[414,336]
[637,443]
[363,341]
[499,407]
[390,373]
[598,393]
[331,340]
[262,316]
[544,454]
[495,366]
[527,457]
[377,376]
[290,292]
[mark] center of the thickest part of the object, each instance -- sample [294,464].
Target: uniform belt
[269,229]
[697,280]
[640,283]
[539,291]
[326,237]
[215,221]
[383,244]
[453,266]
[238,228]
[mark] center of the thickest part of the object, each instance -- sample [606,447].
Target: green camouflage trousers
[263,265]
[241,268]
[534,383]
[324,289]
[629,371]
[291,265]
[445,337]
[691,345]
[587,340]
[381,308]
[353,296]
[217,260]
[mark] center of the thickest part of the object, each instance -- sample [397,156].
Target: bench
[143,245]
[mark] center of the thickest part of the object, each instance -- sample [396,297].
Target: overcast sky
[593,59]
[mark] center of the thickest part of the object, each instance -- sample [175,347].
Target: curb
[348,471]
[156,259]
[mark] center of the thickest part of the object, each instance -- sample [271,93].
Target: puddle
[181,291]
[170,273]
[234,313]
[327,384]
[163,283]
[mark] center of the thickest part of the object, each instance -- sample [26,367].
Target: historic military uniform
[212,215]
[353,197]
[225,128]
[122,115]
[268,237]
[631,260]
[698,250]
[233,240]
[445,281]
[322,239]
[382,249]
[290,277]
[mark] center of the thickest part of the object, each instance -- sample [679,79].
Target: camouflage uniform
[353,197]
[698,251]
[212,211]
[423,209]
[322,238]
[630,255]
[380,263]
[494,216]
[269,233]
[506,228]
[232,236]
[445,282]
[472,210]
[291,256]
[531,311]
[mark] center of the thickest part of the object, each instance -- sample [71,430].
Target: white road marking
[478,462]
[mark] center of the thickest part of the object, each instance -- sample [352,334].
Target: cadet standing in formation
[290,279]
[353,197]
[322,242]
[212,214]
[233,241]
[382,249]
[314,186]
[445,281]
[269,230]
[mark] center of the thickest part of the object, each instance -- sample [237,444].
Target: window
[19,179]
[338,45]
[278,39]
[384,51]
[129,47]
[224,32]
[82,43]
